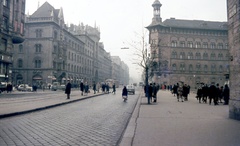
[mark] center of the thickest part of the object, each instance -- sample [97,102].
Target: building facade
[191,51]
[233,8]
[12,14]
[120,70]
[54,52]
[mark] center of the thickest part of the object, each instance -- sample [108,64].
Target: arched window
[213,56]
[198,45]
[220,56]
[174,67]
[190,44]
[38,63]
[220,46]
[182,44]
[220,68]
[20,48]
[182,67]
[190,68]
[213,46]
[213,68]
[174,54]
[182,55]
[205,55]
[38,48]
[198,55]
[174,43]
[205,45]
[20,63]
[190,55]
[205,68]
[198,67]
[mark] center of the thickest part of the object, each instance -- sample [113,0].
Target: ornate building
[54,52]
[233,8]
[191,51]
[12,13]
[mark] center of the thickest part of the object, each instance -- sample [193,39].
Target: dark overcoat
[68,88]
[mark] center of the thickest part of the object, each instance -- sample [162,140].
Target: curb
[129,133]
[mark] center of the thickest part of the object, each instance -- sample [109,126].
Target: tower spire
[156,12]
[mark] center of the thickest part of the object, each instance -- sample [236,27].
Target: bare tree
[145,58]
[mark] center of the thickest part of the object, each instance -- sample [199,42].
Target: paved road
[94,121]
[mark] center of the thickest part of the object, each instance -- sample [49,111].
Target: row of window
[204,45]
[199,56]
[194,32]
[198,67]
[71,68]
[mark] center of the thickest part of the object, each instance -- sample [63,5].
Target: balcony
[17,38]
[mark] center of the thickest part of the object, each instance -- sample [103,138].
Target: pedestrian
[205,93]
[221,94]
[94,88]
[150,92]
[124,94]
[68,89]
[217,94]
[98,87]
[114,89]
[81,87]
[86,88]
[107,88]
[212,93]
[155,90]
[226,94]
[180,92]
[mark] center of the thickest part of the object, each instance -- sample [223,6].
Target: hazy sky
[122,21]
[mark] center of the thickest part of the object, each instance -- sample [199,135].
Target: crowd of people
[151,92]
[214,93]
[85,88]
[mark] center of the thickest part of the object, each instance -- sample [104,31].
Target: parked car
[3,86]
[131,89]
[55,86]
[24,87]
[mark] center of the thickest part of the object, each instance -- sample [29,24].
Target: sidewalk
[20,105]
[172,123]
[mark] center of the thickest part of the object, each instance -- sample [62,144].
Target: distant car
[3,86]
[131,89]
[24,87]
[56,86]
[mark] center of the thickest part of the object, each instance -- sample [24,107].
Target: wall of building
[233,7]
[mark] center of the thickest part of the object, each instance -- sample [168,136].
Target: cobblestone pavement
[94,121]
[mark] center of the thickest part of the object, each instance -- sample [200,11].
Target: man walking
[68,89]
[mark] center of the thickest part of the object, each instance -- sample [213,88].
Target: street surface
[99,120]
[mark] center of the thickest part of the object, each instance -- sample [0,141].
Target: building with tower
[191,51]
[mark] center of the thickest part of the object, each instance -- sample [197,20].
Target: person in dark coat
[94,88]
[226,94]
[68,89]
[81,88]
[205,93]
[114,89]
[124,93]
[212,93]
[150,92]
[154,92]
[86,88]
